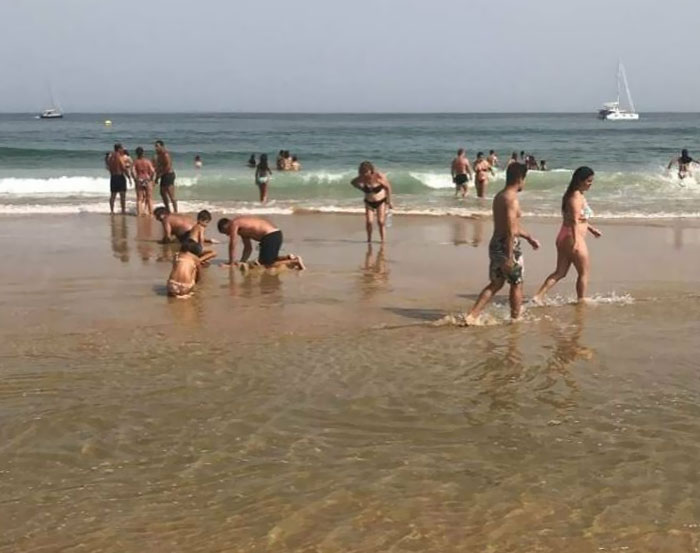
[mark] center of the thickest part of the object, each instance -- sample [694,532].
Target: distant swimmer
[482,168]
[117,178]
[279,162]
[251,161]
[296,166]
[185,271]
[144,176]
[251,229]
[492,158]
[571,240]
[531,163]
[684,162]
[543,165]
[198,162]
[262,177]
[166,176]
[512,159]
[461,172]
[522,156]
[377,190]
[505,257]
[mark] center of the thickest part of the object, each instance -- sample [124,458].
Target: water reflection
[257,282]
[375,271]
[120,237]
[145,243]
[460,232]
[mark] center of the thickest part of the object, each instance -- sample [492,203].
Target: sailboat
[54,112]
[611,110]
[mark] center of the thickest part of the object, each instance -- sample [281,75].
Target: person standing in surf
[481,170]
[505,256]
[492,158]
[684,163]
[166,176]
[377,190]
[571,240]
[144,173]
[117,178]
[461,172]
[262,177]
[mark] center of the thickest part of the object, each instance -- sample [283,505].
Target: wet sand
[320,412]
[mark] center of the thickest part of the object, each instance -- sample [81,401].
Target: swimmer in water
[684,162]
[571,240]
[251,161]
[481,170]
[197,161]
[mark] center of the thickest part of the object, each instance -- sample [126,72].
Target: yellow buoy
[108,123]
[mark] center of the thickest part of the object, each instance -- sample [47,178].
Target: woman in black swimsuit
[377,190]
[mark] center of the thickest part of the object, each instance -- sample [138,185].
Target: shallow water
[322,412]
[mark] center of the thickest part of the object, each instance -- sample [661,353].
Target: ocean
[57,166]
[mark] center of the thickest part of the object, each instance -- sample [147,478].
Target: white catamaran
[612,111]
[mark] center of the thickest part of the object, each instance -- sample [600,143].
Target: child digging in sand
[185,271]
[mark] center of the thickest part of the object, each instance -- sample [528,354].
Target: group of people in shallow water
[463,171]
[263,173]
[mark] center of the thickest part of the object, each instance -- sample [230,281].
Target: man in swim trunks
[251,228]
[461,172]
[166,176]
[144,173]
[684,163]
[117,177]
[185,271]
[505,256]
[481,170]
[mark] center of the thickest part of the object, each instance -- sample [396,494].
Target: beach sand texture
[323,412]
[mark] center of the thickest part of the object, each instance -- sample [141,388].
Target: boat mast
[627,88]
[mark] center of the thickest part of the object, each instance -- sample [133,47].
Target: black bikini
[374,204]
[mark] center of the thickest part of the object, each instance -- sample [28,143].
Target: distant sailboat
[611,110]
[54,112]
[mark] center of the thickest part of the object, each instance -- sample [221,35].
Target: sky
[347,56]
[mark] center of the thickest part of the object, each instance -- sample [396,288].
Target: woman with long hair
[571,240]
[377,190]
[262,177]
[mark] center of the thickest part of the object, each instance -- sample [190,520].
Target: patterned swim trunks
[498,255]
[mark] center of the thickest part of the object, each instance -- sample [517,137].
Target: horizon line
[218,112]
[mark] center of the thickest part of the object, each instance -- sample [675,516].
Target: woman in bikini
[262,177]
[377,190]
[571,240]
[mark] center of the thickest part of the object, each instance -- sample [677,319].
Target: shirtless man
[144,174]
[461,172]
[185,271]
[175,225]
[513,158]
[166,176]
[117,179]
[492,159]
[505,256]
[270,238]
[481,170]
[684,163]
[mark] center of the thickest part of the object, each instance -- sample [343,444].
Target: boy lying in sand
[185,271]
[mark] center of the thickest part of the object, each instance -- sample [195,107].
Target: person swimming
[684,162]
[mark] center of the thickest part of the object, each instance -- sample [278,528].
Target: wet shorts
[117,183]
[497,258]
[270,247]
[460,179]
[168,179]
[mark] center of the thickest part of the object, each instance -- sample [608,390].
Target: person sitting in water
[543,165]
[197,161]
[684,163]
[296,166]
[185,271]
[251,228]
[251,161]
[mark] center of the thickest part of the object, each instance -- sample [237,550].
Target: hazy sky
[354,55]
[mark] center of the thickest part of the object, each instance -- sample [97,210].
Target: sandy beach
[322,412]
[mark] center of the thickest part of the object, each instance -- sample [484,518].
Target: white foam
[58,187]
[323,176]
[436,181]
[613,298]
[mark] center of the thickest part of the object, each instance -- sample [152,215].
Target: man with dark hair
[165,175]
[196,234]
[461,172]
[262,231]
[117,179]
[505,257]
[492,158]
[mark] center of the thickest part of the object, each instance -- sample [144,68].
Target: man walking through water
[461,172]
[505,257]
[117,177]
[166,176]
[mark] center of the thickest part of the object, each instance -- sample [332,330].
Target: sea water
[58,166]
